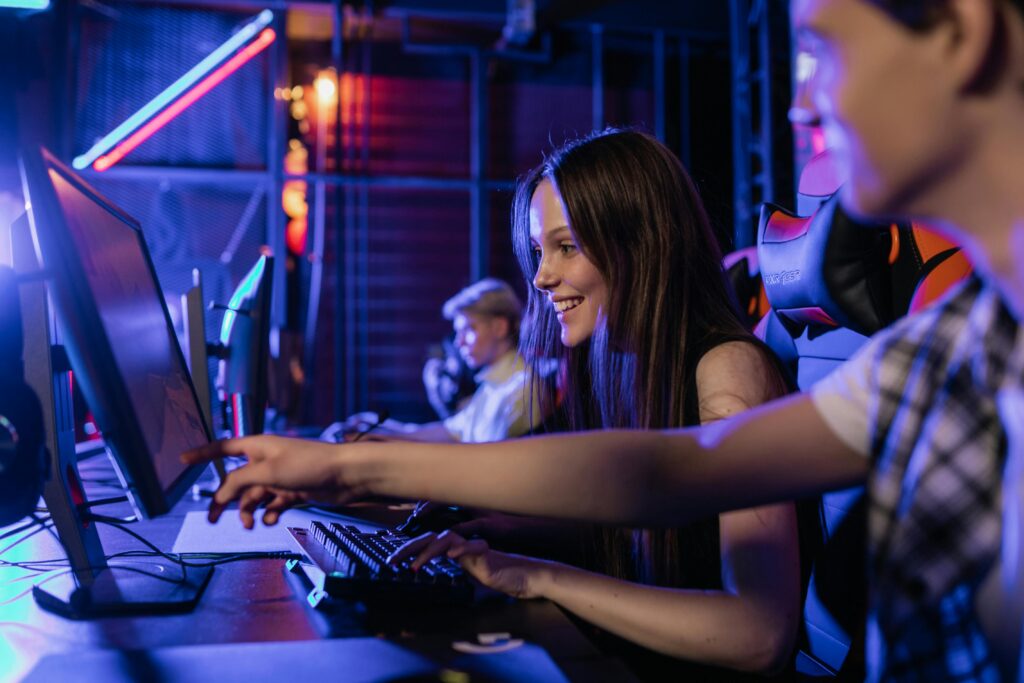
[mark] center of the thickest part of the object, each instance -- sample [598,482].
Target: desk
[256,601]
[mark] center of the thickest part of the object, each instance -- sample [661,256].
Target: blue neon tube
[172,92]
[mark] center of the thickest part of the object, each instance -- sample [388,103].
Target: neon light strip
[245,289]
[164,117]
[25,4]
[175,89]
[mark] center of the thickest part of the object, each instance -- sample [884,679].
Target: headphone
[22,437]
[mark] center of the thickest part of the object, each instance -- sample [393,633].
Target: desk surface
[255,601]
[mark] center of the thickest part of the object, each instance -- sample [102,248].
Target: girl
[629,294]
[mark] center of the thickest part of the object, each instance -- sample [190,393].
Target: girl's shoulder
[733,376]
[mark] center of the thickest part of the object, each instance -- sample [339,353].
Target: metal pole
[659,85]
[316,255]
[341,248]
[479,225]
[273,180]
[363,215]
[740,62]
[74,23]
[766,128]
[597,76]
[684,102]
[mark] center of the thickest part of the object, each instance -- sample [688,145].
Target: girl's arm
[723,628]
[745,630]
[749,625]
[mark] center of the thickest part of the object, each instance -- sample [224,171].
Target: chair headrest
[826,270]
[742,269]
[819,180]
[943,264]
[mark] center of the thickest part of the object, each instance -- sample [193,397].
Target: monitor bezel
[85,337]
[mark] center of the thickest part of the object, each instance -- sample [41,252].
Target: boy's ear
[978,45]
[502,327]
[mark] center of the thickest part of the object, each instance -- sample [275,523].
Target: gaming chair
[831,282]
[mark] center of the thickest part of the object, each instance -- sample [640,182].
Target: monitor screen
[244,339]
[131,370]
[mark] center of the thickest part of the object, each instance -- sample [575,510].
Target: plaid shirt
[937,447]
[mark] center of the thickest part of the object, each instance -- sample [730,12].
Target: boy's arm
[784,450]
[781,451]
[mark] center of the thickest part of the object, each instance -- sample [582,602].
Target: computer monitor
[118,334]
[194,319]
[244,351]
[119,341]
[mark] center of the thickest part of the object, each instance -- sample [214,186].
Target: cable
[104,501]
[27,591]
[49,526]
[119,524]
[176,558]
[58,572]
[14,532]
[217,558]
[381,417]
[42,524]
[40,566]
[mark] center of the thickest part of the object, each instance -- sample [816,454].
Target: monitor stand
[92,587]
[145,588]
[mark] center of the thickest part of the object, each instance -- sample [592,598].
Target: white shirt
[500,408]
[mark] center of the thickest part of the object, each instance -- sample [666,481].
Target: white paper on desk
[228,535]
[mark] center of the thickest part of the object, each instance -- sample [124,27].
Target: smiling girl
[628,293]
[915,415]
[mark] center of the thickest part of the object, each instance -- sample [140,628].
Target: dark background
[434,121]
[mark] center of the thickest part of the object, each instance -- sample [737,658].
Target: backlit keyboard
[346,562]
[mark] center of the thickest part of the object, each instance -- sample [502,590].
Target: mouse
[434,517]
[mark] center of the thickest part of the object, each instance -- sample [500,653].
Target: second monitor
[244,351]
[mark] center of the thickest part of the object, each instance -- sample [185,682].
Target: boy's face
[884,101]
[480,339]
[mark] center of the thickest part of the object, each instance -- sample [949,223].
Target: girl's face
[573,286]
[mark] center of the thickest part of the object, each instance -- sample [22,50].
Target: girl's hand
[491,526]
[514,575]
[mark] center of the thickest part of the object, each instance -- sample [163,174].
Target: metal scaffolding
[762,144]
[670,54]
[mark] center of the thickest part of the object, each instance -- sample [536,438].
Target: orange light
[326,89]
[295,235]
[293,199]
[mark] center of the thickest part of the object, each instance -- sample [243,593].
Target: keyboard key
[360,570]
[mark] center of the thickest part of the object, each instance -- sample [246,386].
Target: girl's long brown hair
[636,215]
